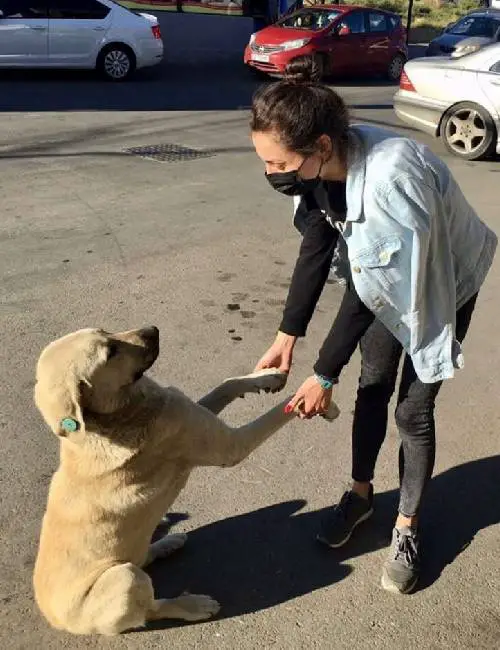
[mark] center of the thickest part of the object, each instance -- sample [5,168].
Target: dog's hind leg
[118,601]
[269,380]
[122,599]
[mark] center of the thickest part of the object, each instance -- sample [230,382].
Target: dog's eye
[112,350]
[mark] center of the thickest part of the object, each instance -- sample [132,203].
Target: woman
[417,255]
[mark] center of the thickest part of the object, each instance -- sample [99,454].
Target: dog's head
[91,369]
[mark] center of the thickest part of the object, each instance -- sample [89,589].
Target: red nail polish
[288,408]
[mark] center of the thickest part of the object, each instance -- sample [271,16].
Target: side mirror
[448,26]
[344,31]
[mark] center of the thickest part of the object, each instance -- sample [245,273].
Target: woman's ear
[325,147]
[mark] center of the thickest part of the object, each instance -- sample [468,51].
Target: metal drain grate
[169,153]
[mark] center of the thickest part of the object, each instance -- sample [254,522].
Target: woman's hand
[279,355]
[311,399]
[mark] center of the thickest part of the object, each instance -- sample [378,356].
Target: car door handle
[38,28]
[495,82]
[99,29]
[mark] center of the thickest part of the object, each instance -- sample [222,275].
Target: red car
[346,39]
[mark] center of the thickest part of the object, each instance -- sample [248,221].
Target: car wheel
[395,67]
[320,66]
[116,62]
[469,132]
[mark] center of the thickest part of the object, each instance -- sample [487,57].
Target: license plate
[260,58]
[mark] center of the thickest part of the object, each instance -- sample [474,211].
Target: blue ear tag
[69,425]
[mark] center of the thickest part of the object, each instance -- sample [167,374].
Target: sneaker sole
[363,518]
[388,585]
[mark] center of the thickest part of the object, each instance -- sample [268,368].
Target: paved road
[91,235]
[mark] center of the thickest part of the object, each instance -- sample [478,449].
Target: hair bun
[302,70]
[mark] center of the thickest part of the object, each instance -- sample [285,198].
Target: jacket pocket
[380,261]
[380,253]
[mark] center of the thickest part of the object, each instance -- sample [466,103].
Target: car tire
[395,68]
[321,62]
[116,62]
[468,131]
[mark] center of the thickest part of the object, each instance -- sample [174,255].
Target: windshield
[310,19]
[475,26]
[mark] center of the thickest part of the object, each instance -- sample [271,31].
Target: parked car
[468,34]
[345,39]
[90,34]
[455,99]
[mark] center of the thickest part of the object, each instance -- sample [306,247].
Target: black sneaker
[339,524]
[402,567]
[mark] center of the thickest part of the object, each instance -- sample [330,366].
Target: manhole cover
[169,152]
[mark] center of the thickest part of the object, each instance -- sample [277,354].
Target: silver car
[457,99]
[90,34]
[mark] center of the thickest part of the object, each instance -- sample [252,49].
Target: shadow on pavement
[269,556]
[226,85]
[180,87]
[461,502]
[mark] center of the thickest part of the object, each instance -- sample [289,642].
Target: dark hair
[301,109]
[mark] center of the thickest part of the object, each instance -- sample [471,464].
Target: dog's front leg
[207,440]
[269,380]
[164,547]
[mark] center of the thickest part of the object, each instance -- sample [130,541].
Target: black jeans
[380,356]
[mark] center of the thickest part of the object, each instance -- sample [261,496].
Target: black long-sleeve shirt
[308,280]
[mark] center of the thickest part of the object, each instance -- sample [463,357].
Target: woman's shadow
[269,556]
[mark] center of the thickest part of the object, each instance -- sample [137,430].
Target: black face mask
[292,184]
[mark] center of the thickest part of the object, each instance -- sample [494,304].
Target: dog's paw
[332,413]
[197,607]
[165,546]
[269,380]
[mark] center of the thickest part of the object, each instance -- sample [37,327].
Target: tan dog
[127,449]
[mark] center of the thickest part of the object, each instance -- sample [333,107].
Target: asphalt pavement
[93,235]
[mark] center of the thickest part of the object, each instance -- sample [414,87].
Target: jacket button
[356,269]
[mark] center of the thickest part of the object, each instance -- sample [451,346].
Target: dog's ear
[59,401]
[58,389]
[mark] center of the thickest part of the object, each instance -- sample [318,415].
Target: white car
[85,34]
[457,99]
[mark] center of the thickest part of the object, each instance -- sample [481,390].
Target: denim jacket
[417,250]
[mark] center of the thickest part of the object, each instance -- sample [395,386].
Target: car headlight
[295,45]
[252,39]
[467,49]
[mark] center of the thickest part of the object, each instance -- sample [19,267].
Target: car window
[495,67]
[475,26]
[312,20]
[377,22]
[394,21]
[22,9]
[78,9]
[355,21]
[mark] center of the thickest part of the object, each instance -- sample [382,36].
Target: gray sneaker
[402,567]
[339,524]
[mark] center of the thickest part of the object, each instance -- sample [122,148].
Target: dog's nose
[151,333]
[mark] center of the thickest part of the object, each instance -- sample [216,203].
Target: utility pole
[408,20]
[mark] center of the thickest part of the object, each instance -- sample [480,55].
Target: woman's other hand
[311,399]
[279,355]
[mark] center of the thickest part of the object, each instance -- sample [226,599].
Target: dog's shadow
[269,556]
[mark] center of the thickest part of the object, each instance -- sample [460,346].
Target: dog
[127,447]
